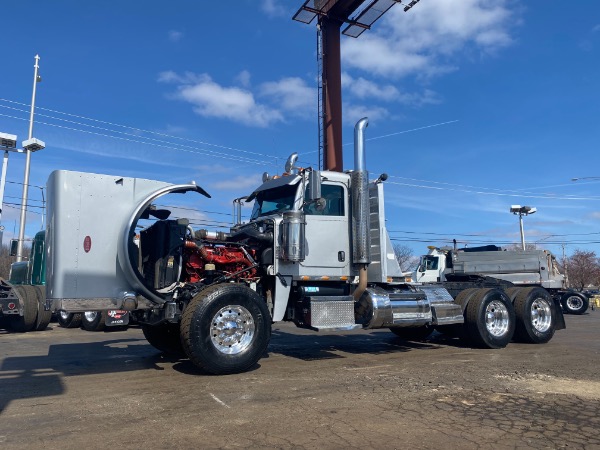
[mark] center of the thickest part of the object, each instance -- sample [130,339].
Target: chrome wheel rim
[64,315]
[497,318]
[232,329]
[90,316]
[574,302]
[541,315]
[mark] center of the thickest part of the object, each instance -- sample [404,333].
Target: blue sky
[502,97]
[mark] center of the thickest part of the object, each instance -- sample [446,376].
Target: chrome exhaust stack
[361,239]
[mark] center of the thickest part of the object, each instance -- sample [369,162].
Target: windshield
[274,200]
[428,262]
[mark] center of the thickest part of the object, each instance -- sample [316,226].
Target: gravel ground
[65,388]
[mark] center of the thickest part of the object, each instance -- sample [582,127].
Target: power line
[500,194]
[133,128]
[170,147]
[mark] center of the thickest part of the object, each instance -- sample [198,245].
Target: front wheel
[536,316]
[226,328]
[490,319]
[574,303]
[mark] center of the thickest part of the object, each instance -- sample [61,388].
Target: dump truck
[315,252]
[471,266]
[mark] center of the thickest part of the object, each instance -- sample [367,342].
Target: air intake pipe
[361,239]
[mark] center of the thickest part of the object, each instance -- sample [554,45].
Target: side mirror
[14,243]
[314,186]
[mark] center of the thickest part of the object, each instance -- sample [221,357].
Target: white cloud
[273,8]
[293,95]
[175,36]
[243,78]
[271,103]
[424,40]
[353,113]
[213,100]
[366,89]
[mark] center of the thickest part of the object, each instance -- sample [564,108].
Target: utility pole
[28,151]
[565,264]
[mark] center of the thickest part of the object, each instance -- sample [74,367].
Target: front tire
[93,320]
[490,319]
[574,303]
[226,328]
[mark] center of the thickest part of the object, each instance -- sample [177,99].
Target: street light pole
[522,232]
[22,220]
[522,211]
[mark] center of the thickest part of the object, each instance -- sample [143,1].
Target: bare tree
[584,269]
[405,257]
[6,260]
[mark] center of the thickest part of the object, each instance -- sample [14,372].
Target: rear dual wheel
[536,315]
[68,320]
[489,318]
[93,320]
[29,299]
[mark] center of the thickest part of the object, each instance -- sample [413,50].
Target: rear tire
[574,303]
[43,316]
[164,337]
[536,316]
[226,328]
[490,319]
[68,320]
[93,320]
[26,322]
[413,333]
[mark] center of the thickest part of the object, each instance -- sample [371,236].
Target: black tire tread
[586,303]
[43,316]
[97,325]
[472,315]
[27,321]
[523,330]
[74,320]
[198,306]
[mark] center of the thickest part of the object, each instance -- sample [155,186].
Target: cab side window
[334,201]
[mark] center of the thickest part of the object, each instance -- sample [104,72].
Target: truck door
[428,269]
[327,232]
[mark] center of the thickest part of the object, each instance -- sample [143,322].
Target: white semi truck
[472,266]
[315,252]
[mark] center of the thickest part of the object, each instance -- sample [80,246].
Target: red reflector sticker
[11,306]
[87,244]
